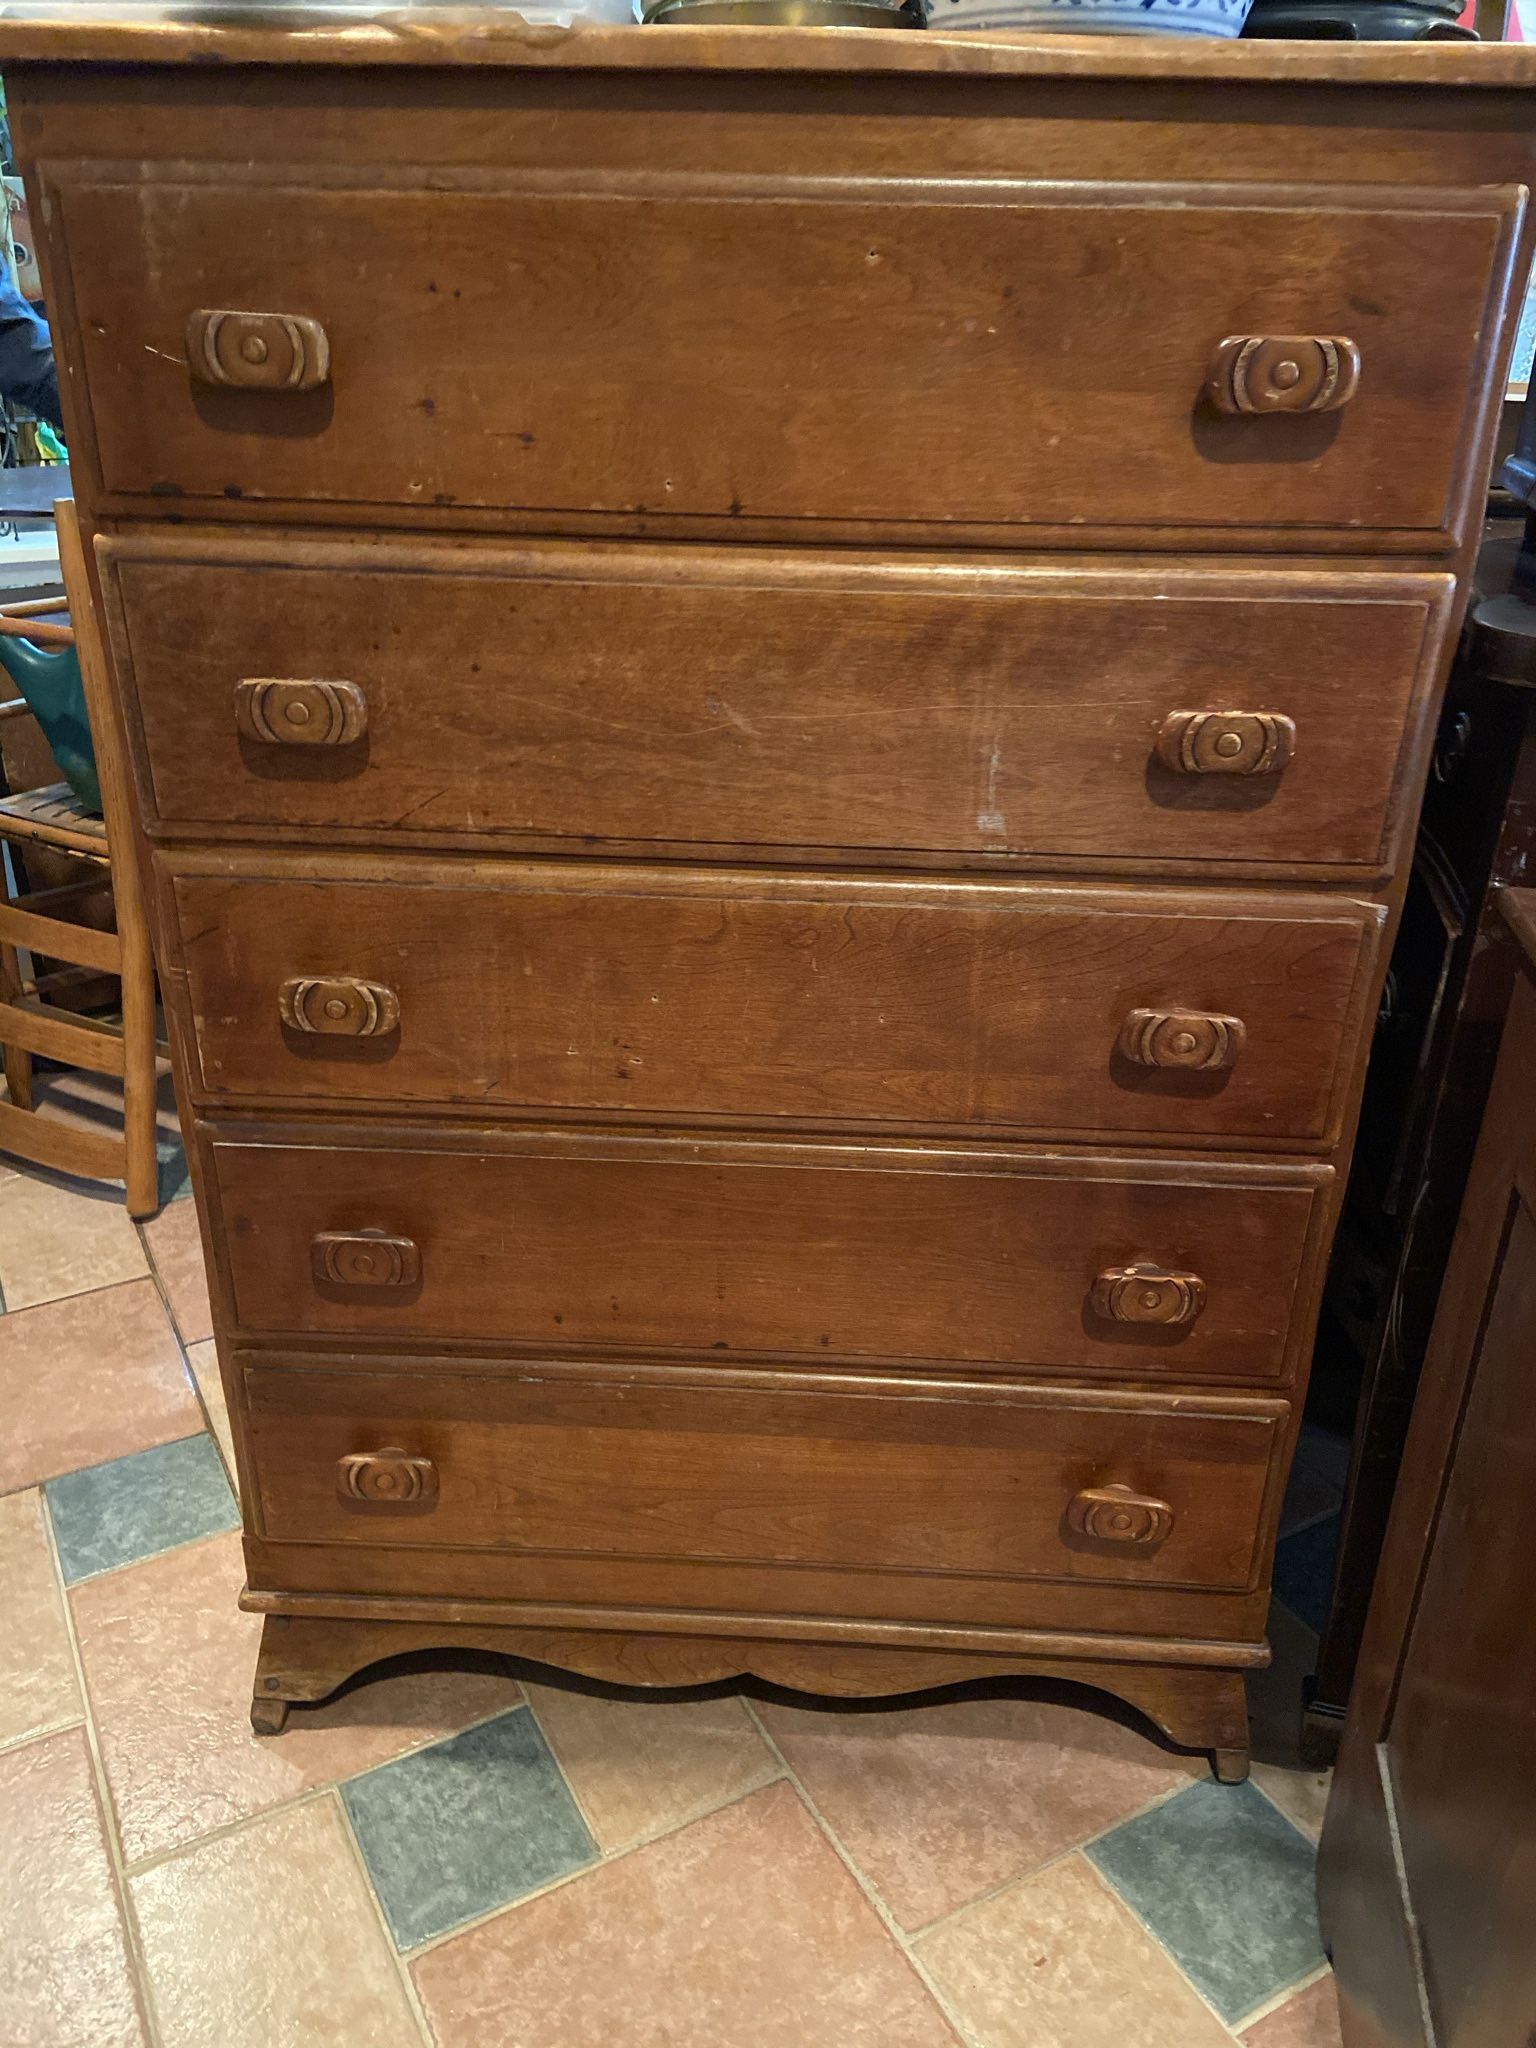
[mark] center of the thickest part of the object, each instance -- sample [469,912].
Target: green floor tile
[1227,1885]
[465,1826]
[131,1508]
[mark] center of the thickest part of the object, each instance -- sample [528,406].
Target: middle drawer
[852,1002]
[714,1250]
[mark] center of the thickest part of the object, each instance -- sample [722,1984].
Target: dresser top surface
[73,33]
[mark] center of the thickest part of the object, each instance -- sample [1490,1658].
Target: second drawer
[546,1242]
[922,1006]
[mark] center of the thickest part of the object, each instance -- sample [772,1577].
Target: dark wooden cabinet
[1428,1877]
[1431,1065]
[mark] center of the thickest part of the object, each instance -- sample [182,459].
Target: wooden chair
[29,1023]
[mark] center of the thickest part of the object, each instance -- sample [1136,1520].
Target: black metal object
[1360,21]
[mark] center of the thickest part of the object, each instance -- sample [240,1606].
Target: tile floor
[452,1857]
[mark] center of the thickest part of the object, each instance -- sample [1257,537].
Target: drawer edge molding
[767,1628]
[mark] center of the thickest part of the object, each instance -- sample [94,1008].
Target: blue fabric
[27,373]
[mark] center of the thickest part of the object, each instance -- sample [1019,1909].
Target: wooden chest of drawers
[776,683]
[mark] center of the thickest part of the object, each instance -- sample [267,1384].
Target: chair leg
[142,1173]
[17,1064]
[136,965]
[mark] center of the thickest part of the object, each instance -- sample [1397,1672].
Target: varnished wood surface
[868,1482]
[733,297]
[489,38]
[305,1658]
[703,1247]
[1042,403]
[782,701]
[1426,1876]
[637,992]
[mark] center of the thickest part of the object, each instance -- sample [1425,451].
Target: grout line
[164,1293]
[1282,1998]
[106,1805]
[1060,1856]
[1152,1935]
[883,1912]
[132,1563]
[1312,1522]
[599,1862]
[1302,1772]
[138,1866]
[772,1772]
[398,1962]
[80,1293]
[15,1742]
[587,1819]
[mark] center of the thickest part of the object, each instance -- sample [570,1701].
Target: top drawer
[962,358]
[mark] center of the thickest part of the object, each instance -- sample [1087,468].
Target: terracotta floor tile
[743,1930]
[168,1662]
[204,1361]
[89,1379]
[177,1250]
[1056,1961]
[937,1804]
[62,1237]
[267,1938]
[1301,1795]
[639,1766]
[64,1972]
[1309,2020]
[37,1669]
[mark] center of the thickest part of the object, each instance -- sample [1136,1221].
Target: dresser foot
[1196,1708]
[268,1716]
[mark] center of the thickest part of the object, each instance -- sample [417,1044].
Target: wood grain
[1030,307]
[1425,1877]
[678,559]
[713,698]
[648,992]
[923,1486]
[485,37]
[703,1248]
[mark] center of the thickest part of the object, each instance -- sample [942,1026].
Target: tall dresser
[777,681]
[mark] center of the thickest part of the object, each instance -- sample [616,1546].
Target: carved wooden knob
[339,1006]
[1148,1294]
[278,712]
[1118,1514]
[258,351]
[365,1258]
[1192,1039]
[1226,742]
[1284,373]
[390,1478]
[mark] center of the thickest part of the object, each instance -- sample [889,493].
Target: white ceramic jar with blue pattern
[1094,17]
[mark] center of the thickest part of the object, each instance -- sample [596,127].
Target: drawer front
[711,1249]
[652,993]
[684,696]
[982,355]
[1027,1484]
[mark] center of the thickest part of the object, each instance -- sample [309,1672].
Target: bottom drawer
[927,1477]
